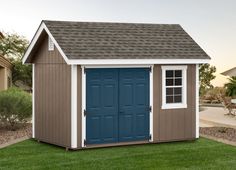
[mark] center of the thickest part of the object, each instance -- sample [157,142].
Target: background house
[5,73]
[231,72]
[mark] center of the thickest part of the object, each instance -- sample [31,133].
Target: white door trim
[74,106]
[151,104]
[83,133]
[115,66]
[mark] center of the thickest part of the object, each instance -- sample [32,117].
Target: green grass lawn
[201,154]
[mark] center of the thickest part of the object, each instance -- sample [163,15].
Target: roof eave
[136,61]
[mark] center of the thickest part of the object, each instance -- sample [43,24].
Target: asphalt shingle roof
[97,40]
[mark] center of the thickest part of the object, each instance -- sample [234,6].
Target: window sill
[174,106]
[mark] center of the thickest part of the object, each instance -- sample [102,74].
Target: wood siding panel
[174,124]
[52,97]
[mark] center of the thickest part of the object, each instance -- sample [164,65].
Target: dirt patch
[220,132]
[8,135]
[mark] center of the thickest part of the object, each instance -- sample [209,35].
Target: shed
[101,84]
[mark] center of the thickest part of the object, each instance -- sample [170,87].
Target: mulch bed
[220,132]
[7,135]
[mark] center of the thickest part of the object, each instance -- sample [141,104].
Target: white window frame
[184,87]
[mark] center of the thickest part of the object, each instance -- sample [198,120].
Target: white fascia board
[88,62]
[35,39]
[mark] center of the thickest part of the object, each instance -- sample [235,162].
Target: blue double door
[117,105]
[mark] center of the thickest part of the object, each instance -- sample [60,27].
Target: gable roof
[98,40]
[231,72]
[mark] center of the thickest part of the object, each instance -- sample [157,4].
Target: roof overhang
[136,61]
[28,55]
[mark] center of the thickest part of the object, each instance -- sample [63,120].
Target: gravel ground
[7,135]
[220,132]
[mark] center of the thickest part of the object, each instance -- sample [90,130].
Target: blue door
[117,105]
[101,106]
[133,104]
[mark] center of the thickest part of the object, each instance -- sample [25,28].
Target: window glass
[173,86]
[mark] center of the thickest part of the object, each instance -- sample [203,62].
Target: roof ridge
[111,22]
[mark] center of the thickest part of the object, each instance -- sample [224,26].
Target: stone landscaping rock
[220,132]
[8,135]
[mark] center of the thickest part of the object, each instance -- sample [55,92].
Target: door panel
[101,105]
[133,104]
[117,105]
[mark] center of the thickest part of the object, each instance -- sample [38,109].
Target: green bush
[231,87]
[15,107]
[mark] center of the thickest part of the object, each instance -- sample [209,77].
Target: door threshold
[116,144]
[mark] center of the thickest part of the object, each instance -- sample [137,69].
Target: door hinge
[85,142]
[150,108]
[85,113]
[150,137]
[150,69]
[85,70]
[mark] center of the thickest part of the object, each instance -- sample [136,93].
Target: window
[50,44]
[174,87]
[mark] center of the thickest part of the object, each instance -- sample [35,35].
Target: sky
[211,23]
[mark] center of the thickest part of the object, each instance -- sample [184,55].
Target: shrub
[231,87]
[15,107]
[214,94]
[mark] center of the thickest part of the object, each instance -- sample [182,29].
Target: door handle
[121,111]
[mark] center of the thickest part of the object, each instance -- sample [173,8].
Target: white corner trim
[33,101]
[74,106]
[197,101]
[35,39]
[151,104]
[184,87]
[136,61]
[83,132]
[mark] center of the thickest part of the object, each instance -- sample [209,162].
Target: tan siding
[79,106]
[174,124]
[52,97]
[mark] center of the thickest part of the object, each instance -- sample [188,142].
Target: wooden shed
[105,84]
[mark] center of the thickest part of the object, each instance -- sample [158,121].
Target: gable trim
[35,39]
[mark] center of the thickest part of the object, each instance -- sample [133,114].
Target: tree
[13,47]
[206,75]
[231,87]
[15,107]
[21,72]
